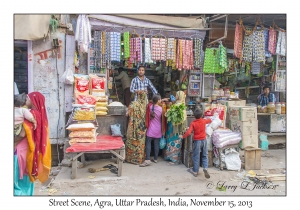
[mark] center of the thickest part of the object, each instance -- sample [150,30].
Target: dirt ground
[162,179]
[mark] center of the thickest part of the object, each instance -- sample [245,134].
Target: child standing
[154,130]
[199,143]
[21,113]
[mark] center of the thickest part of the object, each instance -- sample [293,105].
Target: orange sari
[39,150]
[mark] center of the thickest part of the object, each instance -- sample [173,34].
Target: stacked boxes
[229,104]
[243,119]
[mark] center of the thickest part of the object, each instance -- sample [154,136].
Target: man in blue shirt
[266,97]
[140,83]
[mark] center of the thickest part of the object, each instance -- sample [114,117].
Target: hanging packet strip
[266,36]
[281,43]
[115,43]
[126,37]
[238,41]
[272,41]
[258,46]
[148,51]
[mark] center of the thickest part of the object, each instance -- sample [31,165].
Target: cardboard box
[249,141]
[252,159]
[228,103]
[245,128]
[242,113]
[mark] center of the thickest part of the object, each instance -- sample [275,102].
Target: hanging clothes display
[248,47]
[272,41]
[148,51]
[266,36]
[258,46]
[238,41]
[115,43]
[198,52]
[281,43]
[83,33]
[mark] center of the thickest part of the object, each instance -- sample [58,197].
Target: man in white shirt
[16,89]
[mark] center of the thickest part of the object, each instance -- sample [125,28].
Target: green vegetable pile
[176,113]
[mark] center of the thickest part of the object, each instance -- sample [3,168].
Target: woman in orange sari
[33,153]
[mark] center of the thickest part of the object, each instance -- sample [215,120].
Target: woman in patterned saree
[136,132]
[173,147]
[32,157]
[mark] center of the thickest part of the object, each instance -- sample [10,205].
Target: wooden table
[103,144]
[271,123]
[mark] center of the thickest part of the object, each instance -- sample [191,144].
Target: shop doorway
[21,66]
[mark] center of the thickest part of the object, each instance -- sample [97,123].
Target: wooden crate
[252,158]
[188,158]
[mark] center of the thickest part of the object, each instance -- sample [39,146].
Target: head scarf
[181,97]
[39,111]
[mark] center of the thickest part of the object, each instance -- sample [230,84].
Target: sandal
[155,161]
[114,170]
[192,172]
[110,166]
[144,164]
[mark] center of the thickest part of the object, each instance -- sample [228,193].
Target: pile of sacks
[223,138]
[82,133]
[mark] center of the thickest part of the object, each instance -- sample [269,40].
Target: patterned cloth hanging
[258,46]
[238,41]
[148,51]
[281,43]
[248,47]
[266,36]
[115,42]
[272,41]
[198,45]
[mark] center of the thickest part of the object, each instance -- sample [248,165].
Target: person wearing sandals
[199,143]
[154,131]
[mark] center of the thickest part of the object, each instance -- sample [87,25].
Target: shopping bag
[162,143]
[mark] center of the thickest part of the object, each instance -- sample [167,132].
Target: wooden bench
[105,143]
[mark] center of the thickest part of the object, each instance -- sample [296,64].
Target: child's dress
[21,114]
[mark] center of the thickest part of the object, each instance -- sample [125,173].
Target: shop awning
[31,27]
[165,25]
[153,21]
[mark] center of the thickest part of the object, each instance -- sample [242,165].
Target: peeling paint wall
[48,67]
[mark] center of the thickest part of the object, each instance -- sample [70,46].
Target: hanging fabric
[248,47]
[266,36]
[259,46]
[83,33]
[115,42]
[238,41]
[148,51]
[272,41]
[281,43]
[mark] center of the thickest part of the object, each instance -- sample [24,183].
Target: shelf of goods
[195,84]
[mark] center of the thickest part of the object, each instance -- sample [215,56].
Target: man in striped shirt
[266,97]
[140,83]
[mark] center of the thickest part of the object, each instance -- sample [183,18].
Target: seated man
[266,97]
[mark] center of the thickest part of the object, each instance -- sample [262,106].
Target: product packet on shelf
[83,114]
[81,85]
[85,99]
[97,85]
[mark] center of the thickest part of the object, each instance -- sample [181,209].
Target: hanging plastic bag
[68,77]
[162,142]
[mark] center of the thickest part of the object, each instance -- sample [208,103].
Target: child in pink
[21,113]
